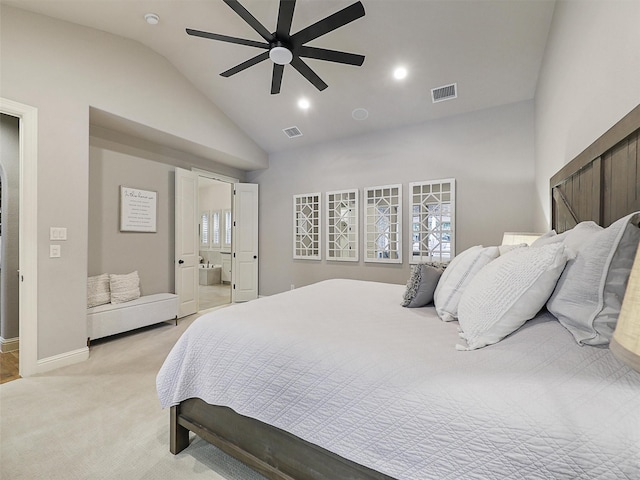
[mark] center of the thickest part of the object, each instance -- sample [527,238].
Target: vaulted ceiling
[492,50]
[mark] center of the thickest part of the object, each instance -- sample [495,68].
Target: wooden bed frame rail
[276,454]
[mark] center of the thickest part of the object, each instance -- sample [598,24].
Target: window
[432,221]
[204,229]
[306,226]
[342,225]
[383,224]
[227,228]
[215,229]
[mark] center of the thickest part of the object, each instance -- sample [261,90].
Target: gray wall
[490,154]
[590,79]
[113,251]
[10,166]
[63,69]
[116,160]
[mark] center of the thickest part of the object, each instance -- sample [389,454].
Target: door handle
[255,256]
[180,261]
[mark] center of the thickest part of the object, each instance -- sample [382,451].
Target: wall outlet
[293,286]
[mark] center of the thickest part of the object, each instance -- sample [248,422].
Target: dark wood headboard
[603,182]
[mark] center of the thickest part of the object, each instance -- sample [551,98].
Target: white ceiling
[493,50]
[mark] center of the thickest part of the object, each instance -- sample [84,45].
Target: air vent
[447,92]
[292,132]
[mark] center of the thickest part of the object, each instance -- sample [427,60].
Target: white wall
[62,69]
[590,79]
[490,154]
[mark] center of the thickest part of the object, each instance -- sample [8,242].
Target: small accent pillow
[457,276]
[124,288]
[588,297]
[421,285]
[507,292]
[98,291]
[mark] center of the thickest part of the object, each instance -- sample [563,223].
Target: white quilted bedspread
[342,365]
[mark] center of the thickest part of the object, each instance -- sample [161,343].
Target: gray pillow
[421,285]
[589,293]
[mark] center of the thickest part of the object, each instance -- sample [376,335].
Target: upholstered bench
[113,318]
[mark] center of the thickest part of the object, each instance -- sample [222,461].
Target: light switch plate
[58,233]
[54,251]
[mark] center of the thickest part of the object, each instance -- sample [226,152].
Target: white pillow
[507,292]
[457,276]
[124,288]
[550,237]
[588,297]
[98,292]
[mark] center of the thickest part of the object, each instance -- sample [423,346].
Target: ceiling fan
[284,48]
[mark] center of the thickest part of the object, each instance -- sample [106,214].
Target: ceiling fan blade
[328,24]
[331,55]
[245,65]
[307,73]
[225,38]
[276,81]
[250,19]
[285,17]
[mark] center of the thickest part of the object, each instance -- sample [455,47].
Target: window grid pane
[383,224]
[342,225]
[306,228]
[432,221]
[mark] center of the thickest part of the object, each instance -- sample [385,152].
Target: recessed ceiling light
[152,18]
[303,103]
[400,73]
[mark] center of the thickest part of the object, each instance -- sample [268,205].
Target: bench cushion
[110,319]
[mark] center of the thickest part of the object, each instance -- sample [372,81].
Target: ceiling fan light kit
[286,49]
[280,55]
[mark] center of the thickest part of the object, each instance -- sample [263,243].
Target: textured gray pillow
[98,292]
[421,285]
[588,296]
[124,288]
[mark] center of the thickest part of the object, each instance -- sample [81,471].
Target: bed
[361,388]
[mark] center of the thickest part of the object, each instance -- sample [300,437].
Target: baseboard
[62,360]
[9,344]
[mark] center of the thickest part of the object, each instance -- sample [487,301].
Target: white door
[187,242]
[244,243]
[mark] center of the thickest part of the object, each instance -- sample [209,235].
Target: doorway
[28,217]
[9,245]
[215,230]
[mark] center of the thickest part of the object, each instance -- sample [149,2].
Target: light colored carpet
[101,419]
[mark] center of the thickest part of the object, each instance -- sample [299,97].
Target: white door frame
[28,303]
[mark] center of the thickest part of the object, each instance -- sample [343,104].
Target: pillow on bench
[98,290]
[124,288]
